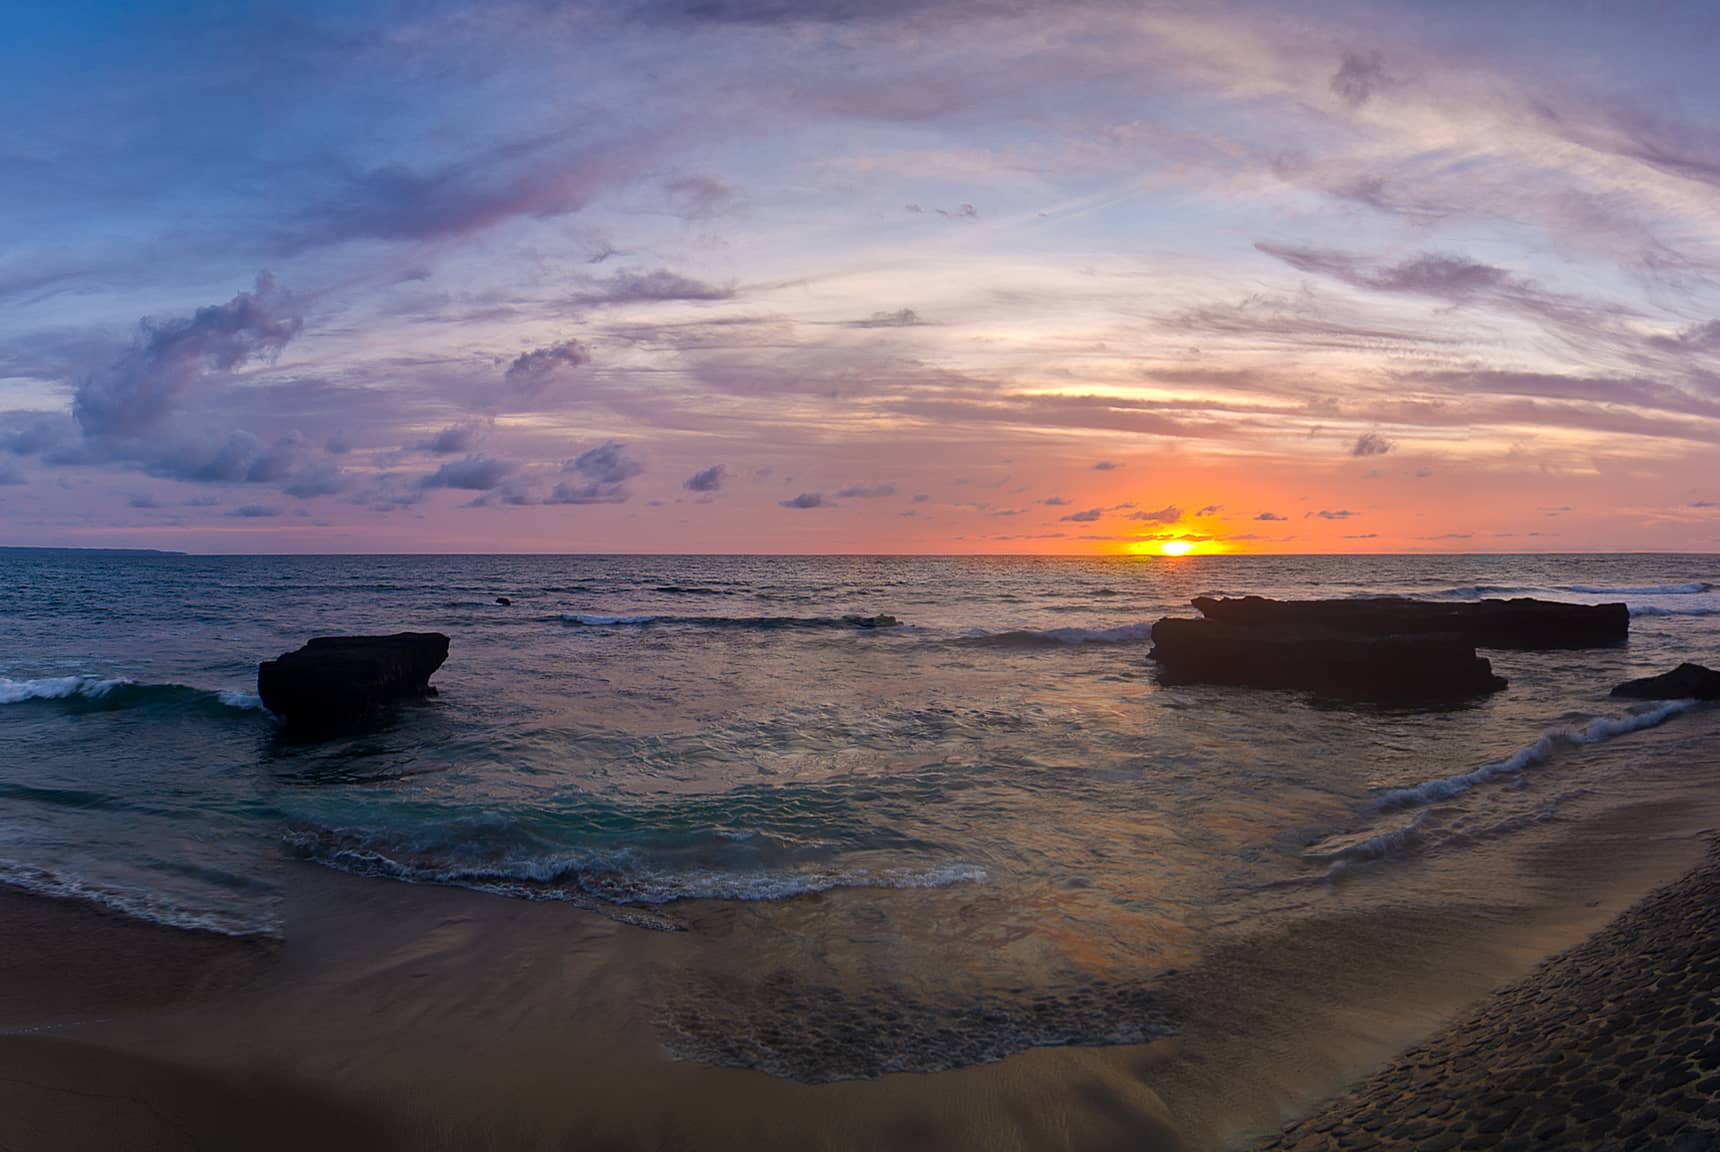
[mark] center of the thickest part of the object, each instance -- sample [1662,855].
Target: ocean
[939,805]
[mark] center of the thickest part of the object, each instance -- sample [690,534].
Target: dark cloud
[1430,274]
[1055,502]
[901,318]
[1358,77]
[170,357]
[921,497]
[30,433]
[866,491]
[1086,517]
[698,197]
[532,372]
[1271,516]
[255,511]
[1169,514]
[1106,466]
[705,480]
[806,500]
[537,178]
[1211,510]
[597,476]
[320,479]
[454,438]
[635,287]
[9,474]
[1327,514]
[473,474]
[143,500]
[1371,444]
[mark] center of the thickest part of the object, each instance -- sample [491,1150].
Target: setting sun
[1175,548]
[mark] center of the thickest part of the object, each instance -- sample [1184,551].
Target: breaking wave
[524,867]
[1537,752]
[1691,589]
[119,692]
[1658,610]
[590,620]
[1057,637]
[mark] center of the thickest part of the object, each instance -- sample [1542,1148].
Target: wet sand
[393,1016]
[1614,1043]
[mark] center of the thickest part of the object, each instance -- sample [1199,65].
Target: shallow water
[1040,826]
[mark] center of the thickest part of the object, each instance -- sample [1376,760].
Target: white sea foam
[614,878]
[1691,589]
[136,904]
[1563,736]
[604,621]
[248,701]
[1660,610]
[56,688]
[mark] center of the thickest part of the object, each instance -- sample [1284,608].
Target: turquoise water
[637,734]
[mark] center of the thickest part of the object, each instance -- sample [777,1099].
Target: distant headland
[20,550]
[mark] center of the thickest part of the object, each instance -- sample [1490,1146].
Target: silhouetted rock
[1518,623]
[503,601]
[337,681]
[1685,682]
[1434,666]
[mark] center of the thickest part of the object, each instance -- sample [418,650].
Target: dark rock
[1685,682]
[503,600]
[1384,668]
[879,621]
[337,681]
[1486,624]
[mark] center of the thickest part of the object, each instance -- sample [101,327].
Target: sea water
[982,739]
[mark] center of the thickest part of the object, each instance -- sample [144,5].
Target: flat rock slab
[339,681]
[1685,682]
[1393,669]
[1521,623]
[1614,1044]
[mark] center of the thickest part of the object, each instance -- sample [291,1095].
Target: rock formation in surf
[1433,666]
[1521,623]
[337,681]
[1685,682]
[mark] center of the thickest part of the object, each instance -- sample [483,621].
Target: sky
[861,276]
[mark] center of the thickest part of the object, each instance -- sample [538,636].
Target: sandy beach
[407,1016]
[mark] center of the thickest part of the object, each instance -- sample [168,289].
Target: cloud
[866,492]
[1055,502]
[170,357]
[660,285]
[1358,77]
[1169,514]
[901,318]
[1086,517]
[9,474]
[455,438]
[1326,514]
[806,500]
[1429,274]
[705,480]
[960,212]
[599,476]
[473,474]
[921,497]
[1271,516]
[1211,510]
[255,511]
[1106,466]
[143,500]
[1372,536]
[320,479]
[532,372]
[1371,444]
[30,433]
[698,197]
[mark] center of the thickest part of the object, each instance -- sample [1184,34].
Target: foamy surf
[138,905]
[57,688]
[1056,637]
[1537,752]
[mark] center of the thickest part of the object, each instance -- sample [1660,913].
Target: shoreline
[1615,1039]
[445,1018]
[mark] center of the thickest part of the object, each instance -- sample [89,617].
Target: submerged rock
[503,601]
[1434,666]
[1685,682]
[337,681]
[1521,623]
